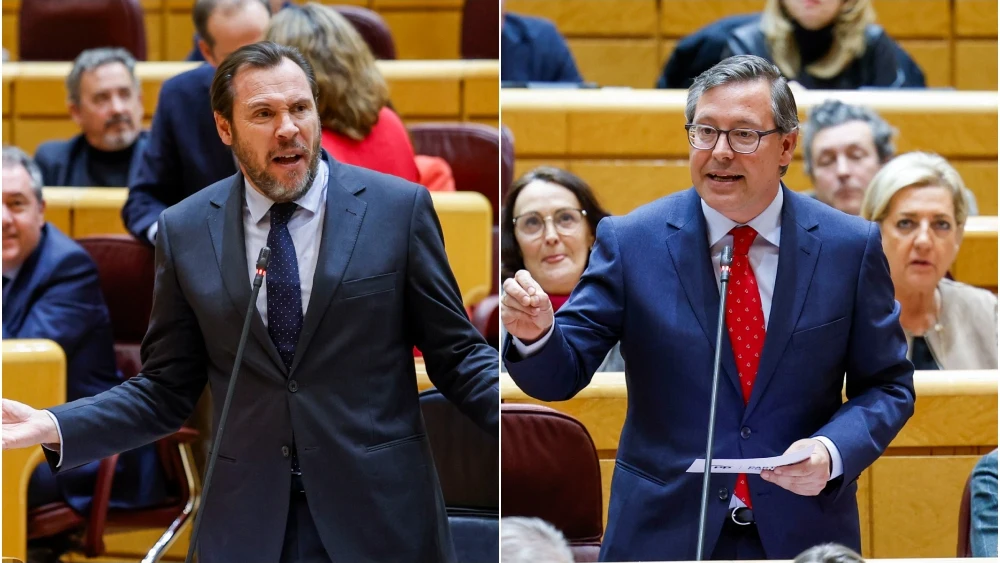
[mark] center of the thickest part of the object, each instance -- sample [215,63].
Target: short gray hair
[528,540]
[748,68]
[95,58]
[829,553]
[13,156]
[832,113]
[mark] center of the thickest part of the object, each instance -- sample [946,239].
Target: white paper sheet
[752,465]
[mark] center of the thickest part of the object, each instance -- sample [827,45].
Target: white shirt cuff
[59,430]
[528,350]
[837,463]
[151,232]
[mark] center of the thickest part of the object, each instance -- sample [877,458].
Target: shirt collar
[767,224]
[259,204]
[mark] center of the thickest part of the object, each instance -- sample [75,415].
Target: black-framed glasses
[743,141]
[567,221]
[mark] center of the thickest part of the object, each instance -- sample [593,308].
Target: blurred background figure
[222,26]
[105,101]
[829,553]
[359,127]
[983,507]
[533,50]
[547,227]
[827,44]
[918,200]
[532,540]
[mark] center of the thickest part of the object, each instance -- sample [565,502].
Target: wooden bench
[421,29]
[954,424]
[466,220]
[34,95]
[627,42]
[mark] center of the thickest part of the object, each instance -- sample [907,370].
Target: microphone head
[263,258]
[727,251]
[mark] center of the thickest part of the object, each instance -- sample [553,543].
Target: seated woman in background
[918,201]
[547,227]
[826,44]
[358,126]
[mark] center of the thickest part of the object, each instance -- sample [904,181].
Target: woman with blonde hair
[919,202]
[358,126]
[825,44]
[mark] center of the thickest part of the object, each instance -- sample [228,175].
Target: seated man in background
[983,507]
[200,47]
[829,553]
[527,540]
[106,102]
[844,147]
[532,50]
[51,290]
[184,153]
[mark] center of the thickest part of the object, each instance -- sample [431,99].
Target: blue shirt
[532,50]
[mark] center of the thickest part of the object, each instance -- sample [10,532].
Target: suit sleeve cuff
[59,430]
[836,461]
[151,232]
[528,350]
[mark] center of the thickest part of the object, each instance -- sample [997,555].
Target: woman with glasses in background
[547,227]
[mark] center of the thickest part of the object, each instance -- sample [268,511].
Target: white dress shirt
[763,256]
[305,226]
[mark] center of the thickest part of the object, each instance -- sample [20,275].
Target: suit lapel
[688,245]
[225,222]
[797,255]
[341,225]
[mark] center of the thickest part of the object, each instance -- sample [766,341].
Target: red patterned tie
[745,320]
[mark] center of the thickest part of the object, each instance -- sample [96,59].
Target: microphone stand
[726,262]
[262,260]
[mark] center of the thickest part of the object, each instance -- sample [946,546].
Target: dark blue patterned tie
[284,294]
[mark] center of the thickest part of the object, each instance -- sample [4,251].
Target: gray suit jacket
[382,285]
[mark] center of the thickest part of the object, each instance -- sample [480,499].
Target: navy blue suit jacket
[184,153]
[532,50]
[382,286]
[650,284]
[57,295]
[65,163]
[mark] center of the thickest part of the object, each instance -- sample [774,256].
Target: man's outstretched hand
[24,426]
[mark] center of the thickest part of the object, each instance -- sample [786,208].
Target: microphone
[724,264]
[262,260]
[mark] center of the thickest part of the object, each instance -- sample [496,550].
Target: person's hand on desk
[525,309]
[24,426]
[807,477]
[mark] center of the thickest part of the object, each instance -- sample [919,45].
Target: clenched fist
[525,309]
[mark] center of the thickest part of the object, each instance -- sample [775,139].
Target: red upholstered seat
[59,30]
[480,29]
[549,469]
[373,30]
[126,270]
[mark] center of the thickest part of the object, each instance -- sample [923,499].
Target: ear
[788,143]
[74,112]
[224,128]
[206,52]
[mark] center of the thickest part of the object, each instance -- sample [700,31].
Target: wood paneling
[976,64]
[915,18]
[426,34]
[620,18]
[976,18]
[617,62]
[933,57]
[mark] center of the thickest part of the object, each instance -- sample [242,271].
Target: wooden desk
[955,422]
[34,94]
[421,29]
[34,373]
[466,221]
[627,42]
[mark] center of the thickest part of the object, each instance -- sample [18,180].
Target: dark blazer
[700,51]
[65,163]
[533,50]
[56,295]
[184,153]
[382,286]
[883,64]
[650,284]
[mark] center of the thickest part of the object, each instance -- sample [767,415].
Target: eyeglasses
[566,221]
[743,141]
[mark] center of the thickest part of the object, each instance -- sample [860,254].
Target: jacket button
[723,494]
[285,451]
[745,432]
[293,386]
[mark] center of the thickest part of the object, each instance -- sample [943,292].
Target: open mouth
[725,177]
[555,258]
[288,160]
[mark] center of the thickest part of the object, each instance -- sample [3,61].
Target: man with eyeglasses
[809,300]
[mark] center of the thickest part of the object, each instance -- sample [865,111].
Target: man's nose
[722,150]
[287,127]
[843,168]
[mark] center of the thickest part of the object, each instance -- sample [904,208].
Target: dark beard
[267,182]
